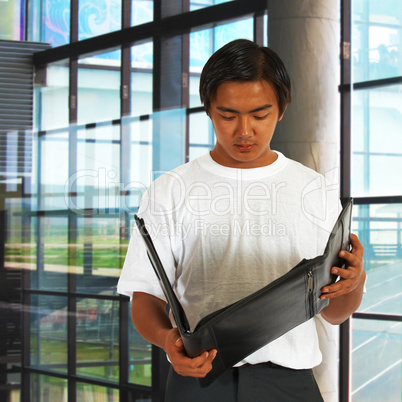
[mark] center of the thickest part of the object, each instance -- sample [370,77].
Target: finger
[212,355]
[197,367]
[351,259]
[191,363]
[334,287]
[332,295]
[343,272]
[357,247]
[179,343]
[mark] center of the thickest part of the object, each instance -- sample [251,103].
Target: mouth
[244,147]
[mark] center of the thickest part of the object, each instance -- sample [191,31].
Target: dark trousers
[248,383]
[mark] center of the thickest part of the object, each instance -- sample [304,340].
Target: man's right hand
[153,324]
[199,366]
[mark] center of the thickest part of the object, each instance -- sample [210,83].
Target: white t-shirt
[223,233]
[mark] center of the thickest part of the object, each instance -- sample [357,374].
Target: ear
[280,118]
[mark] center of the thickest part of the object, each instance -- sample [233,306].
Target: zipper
[310,287]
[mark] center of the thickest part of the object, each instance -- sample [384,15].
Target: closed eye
[261,117]
[228,118]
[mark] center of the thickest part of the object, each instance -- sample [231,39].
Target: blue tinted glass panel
[376,139]
[197,4]
[378,227]
[141,79]
[376,360]
[98,17]
[54,21]
[54,164]
[204,43]
[202,138]
[53,109]
[98,174]
[376,39]
[142,11]
[99,88]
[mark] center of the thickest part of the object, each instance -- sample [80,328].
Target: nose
[244,126]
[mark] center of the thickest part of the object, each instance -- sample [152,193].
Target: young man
[229,223]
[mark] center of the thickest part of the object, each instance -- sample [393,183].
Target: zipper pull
[310,281]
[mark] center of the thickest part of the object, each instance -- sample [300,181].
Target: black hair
[242,61]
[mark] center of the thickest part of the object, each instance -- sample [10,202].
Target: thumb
[179,342]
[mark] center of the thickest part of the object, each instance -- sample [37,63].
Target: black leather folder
[240,329]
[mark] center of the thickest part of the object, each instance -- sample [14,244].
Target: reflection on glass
[205,42]
[98,17]
[99,88]
[53,112]
[52,253]
[379,228]
[20,246]
[90,392]
[141,79]
[46,388]
[98,339]
[49,332]
[376,360]
[376,141]
[140,367]
[376,39]
[99,258]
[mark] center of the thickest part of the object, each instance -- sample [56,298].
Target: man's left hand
[352,277]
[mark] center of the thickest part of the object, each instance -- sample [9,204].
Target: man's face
[244,116]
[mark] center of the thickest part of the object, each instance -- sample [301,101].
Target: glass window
[376,39]
[376,141]
[205,42]
[54,164]
[98,170]
[197,4]
[141,79]
[140,176]
[90,392]
[52,253]
[142,11]
[98,339]
[378,227]
[53,107]
[98,17]
[376,360]
[47,388]
[140,364]
[99,88]
[168,140]
[99,260]
[12,16]
[202,138]
[50,21]
[20,246]
[49,332]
